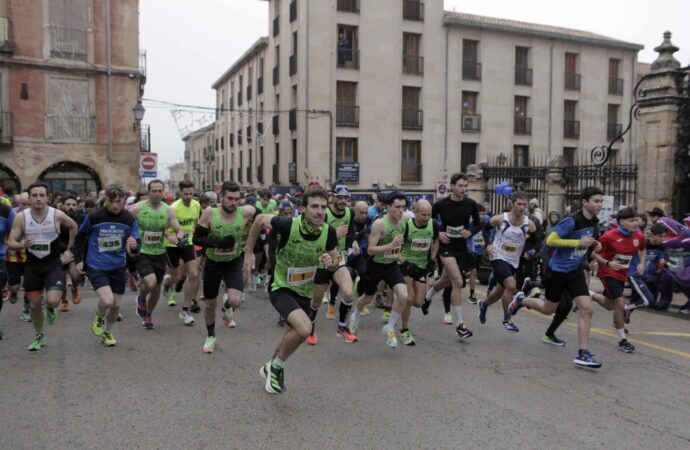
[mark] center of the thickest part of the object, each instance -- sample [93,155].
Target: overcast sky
[191,43]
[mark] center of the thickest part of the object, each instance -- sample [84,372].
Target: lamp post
[138,114]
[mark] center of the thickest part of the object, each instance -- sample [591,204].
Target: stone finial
[666,61]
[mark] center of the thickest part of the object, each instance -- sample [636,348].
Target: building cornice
[259,45]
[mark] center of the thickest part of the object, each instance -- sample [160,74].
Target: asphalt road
[156,389]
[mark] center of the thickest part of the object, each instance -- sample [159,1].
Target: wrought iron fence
[80,129]
[531,179]
[67,43]
[618,180]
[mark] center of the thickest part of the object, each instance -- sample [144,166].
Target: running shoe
[274,377]
[472,299]
[166,285]
[325,298]
[186,317]
[37,343]
[228,313]
[526,284]
[97,325]
[365,311]
[685,311]
[516,304]
[312,339]
[386,315]
[380,302]
[132,285]
[232,324]
[13,298]
[626,315]
[119,318]
[108,339]
[148,323]
[171,299]
[510,326]
[76,297]
[281,322]
[587,360]
[179,285]
[195,308]
[5,293]
[553,340]
[330,312]
[407,338]
[425,306]
[353,326]
[210,344]
[463,331]
[535,292]
[448,318]
[483,308]
[141,306]
[51,314]
[64,304]
[625,346]
[391,339]
[25,316]
[345,334]
[244,297]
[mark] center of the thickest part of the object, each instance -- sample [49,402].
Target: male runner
[153,218]
[220,231]
[266,204]
[304,242]
[69,207]
[105,236]
[571,238]
[187,211]
[505,252]
[385,244]
[419,254]
[476,245]
[36,231]
[16,260]
[455,212]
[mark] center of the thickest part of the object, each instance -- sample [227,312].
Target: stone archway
[70,176]
[9,181]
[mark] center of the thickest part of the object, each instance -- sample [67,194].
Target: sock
[278,363]
[38,325]
[446,299]
[630,307]
[343,310]
[356,315]
[621,333]
[312,314]
[108,326]
[581,351]
[393,319]
[564,307]
[471,292]
[457,315]
[211,329]
[430,294]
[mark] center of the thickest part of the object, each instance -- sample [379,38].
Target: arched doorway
[9,181]
[70,176]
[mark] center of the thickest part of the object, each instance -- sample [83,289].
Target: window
[615,82]
[239,93]
[68,116]
[347,112]
[569,154]
[471,68]
[293,57]
[67,27]
[572,78]
[468,155]
[276,67]
[239,168]
[249,84]
[294,150]
[523,124]
[471,121]
[412,115]
[571,127]
[413,63]
[346,150]
[521,155]
[523,74]
[613,127]
[348,44]
[411,161]
[276,165]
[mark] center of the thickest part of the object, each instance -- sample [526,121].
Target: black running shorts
[115,278]
[390,273]
[285,301]
[175,254]
[411,271]
[40,277]
[152,264]
[574,283]
[229,272]
[502,271]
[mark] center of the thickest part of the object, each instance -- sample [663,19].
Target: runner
[419,254]
[220,231]
[16,260]
[476,245]
[185,275]
[5,212]
[304,243]
[153,218]
[266,204]
[505,252]
[69,207]
[104,237]
[38,227]
[571,238]
[385,244]
[455,212]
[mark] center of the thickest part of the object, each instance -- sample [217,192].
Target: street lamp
[138,114]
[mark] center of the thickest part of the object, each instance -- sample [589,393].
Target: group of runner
[330,246]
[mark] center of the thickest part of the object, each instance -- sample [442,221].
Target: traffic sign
[148,165]
[442,189]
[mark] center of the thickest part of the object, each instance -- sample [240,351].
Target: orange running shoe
[345,334]
[76,298]
[330,313]
[64,304]
[311,340]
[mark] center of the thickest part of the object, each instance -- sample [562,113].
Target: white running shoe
[186,317]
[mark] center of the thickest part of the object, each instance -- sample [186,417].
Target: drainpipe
[445,134]
[632,154]
[306,114]
[550,96]
[110,81]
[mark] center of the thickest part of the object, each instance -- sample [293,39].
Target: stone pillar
[476,188]
[659,101]
[555,186]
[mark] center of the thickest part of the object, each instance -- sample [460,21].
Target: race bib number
[623,260]
[152,237]
[109,244]
[41,248]
[297,276]
[420,245]
[675,263]
[455,232]
[509,248]
[578,253]
[479,241]
[226,251]
[342,258]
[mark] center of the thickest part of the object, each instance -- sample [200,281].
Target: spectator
[655,214]
[554,218]
[535,211]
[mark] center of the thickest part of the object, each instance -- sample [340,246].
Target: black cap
[656,211]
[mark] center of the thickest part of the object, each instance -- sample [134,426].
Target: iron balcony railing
[572,81]
[348,58]
[412,119]
[413,10]
[613,130]
[348,6]
[523,76]
[471,70]
[293,64]
[413,65]
[523,125]
[145,142]
[276,26]
[616,86]
[71,128]
[571,129]
[471,122]
[411,171]
[67,43]
[347,116]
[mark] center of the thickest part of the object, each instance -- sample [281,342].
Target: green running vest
[219,230]
[418,243]
[391,255]
[151,227]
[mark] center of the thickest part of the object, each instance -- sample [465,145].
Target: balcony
[572,81]
[276,174]
[616,86]
[571,129]
[348,6]
[260,86]
[471,122]
[70,128]
[522,125]
[412,119]
[523,76]
[411,172]
[276,26]
[348,58]
[613,130]
[5,129]
[293,10]
[67,43]
[413,10]
[145,140]
[347,116]
[293,64]
[293,119]
[5,33]
[276,75]
[471,70]
[413,65]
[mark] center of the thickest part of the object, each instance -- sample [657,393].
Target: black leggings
[562,311]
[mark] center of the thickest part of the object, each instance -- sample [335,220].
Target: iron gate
[618,180]
[530,178]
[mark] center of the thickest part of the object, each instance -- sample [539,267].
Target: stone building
[402,93]
[71,74]
[199,157]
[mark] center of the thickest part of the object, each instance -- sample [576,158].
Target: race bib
[578,253]
[509,248]
[226,251]
[109,244]
[479,241]
[41,248]
[420,245]
[675,263]
[455,232]
[152,237]
[297,276]
[623,260]
[392,253]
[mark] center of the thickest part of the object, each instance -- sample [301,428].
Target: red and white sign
[148,165]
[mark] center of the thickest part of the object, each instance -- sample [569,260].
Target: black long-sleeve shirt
[453,217]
